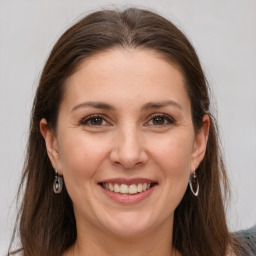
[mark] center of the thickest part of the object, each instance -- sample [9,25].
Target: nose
[128,149]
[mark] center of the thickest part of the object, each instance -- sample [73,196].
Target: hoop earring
[57,183]
[193,182]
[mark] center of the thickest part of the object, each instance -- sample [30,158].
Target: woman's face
[125,125]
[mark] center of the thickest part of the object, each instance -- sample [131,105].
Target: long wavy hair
[46,225]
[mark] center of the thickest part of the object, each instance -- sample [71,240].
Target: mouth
[128,191]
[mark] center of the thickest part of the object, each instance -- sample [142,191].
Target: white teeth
[111,188]
[116,188]
[133,189]
[125,189]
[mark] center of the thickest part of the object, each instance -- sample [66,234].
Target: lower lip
[128,198]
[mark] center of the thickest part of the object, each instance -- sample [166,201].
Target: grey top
[248,238]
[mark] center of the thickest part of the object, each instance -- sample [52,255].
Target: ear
[51,145]
[200,143]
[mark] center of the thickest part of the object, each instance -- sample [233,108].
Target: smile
[127,189]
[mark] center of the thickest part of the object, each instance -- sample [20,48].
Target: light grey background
[222,31]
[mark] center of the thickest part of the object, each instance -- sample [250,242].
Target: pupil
[158,120]
[96,121]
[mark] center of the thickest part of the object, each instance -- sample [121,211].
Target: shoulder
[248,240]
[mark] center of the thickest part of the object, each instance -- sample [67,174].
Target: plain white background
[224,35]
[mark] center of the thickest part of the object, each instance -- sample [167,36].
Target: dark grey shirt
[248,238]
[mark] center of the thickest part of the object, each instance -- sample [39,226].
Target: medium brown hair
[47,225]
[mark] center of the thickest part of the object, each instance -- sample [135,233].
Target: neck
[155,242]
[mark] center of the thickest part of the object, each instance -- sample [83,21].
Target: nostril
[128,164]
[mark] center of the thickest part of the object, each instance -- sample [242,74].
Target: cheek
[173,157]
[174,153]
[81,155]
[81,158]
[176,165]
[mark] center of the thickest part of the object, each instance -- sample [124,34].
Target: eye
[94,120]
[160,120]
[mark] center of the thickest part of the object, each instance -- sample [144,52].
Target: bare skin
[125,115]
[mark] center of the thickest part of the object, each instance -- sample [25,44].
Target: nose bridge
[129,149]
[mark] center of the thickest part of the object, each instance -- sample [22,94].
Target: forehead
[127,75]
[144,61]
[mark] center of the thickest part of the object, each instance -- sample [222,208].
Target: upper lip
[128,182]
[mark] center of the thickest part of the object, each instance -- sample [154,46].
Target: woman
[123,156]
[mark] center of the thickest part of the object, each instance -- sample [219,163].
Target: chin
[129,224]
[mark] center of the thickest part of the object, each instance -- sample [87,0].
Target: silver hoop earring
[57,183]
[194,184]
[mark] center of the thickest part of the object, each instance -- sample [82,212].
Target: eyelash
[85,121]
[166,118]
[89,118]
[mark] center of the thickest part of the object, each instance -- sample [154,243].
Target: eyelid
[170,119]
[84,120]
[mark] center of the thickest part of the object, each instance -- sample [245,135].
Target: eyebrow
[147,106]
[161,104]
[99,105]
